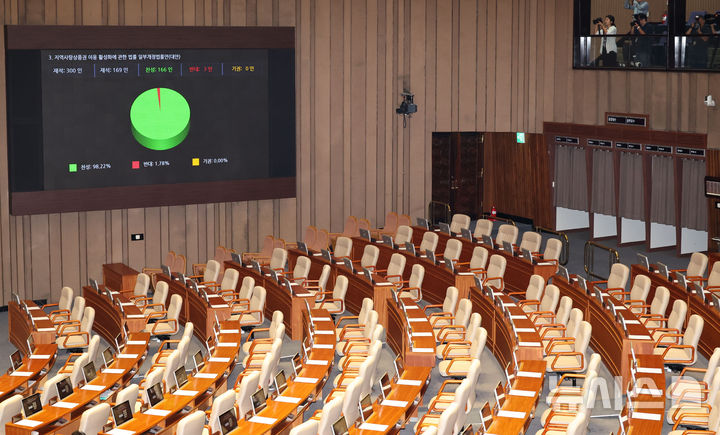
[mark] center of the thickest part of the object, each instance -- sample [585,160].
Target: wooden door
[457,171]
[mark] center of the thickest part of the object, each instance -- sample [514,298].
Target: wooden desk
[608,337]
[517,271]
[199,389]
[299,395]
[34,368]
[503,422]
[710,337]
[359,287]
[648,409]
[437,277]
[47,420]
[119,276]
[422,351]
[109,318]
[195,308]
[21,327]
[278,298]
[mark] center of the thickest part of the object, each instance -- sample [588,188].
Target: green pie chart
[160,118]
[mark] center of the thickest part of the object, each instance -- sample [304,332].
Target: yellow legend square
[196,162]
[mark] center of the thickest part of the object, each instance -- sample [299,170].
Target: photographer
[642,44]
[697,46]
[608,52]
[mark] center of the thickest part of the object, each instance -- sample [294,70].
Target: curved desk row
[710,337]
[62,416]
[109,320]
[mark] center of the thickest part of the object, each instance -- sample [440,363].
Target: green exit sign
[520,137]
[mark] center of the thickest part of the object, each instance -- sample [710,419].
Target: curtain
[570,178]
[603,183]
[694,203]
[662,192]
[631,186]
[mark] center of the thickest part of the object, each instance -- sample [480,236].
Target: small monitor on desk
[365,234]
[582,282]
[274,275]
[409,247]
[385,386]
[643,260]
[563,272]
[64,388]
[31,405]
[444,228]
[340,426]
[155,394]
[122,413]
[198,361]
[488,241]
[108,357]
[280,382]
[166,270]
[527,255]
[368,275]
[259,401]
[94,285]
[682,280]
[89,372]
[422,222]
[325,254]
[366,408]
[236,258]
[466,234]
[16,360]
[228,421]
[109,295]
[430,256]
[181,377]
[507,247]
[297,363]
[302,247]
[663,269]
[449,264]
[348,263]
[256,266]
[388,240]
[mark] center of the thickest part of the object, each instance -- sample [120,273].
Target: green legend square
[72,167]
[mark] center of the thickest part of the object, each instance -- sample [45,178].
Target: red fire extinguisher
[493,213]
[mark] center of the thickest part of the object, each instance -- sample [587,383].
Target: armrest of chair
[678,361]
[50,305]
[495,278]
[436,317]
[75,334]
[162,306]
[66,325]
[332,300]
[427,307]
[455,330]
[569,341]
[575,354]
[455,346]
[347,328]
[253,332]
[164,321]
[343,318]
[676,335]
[535,315]
[453,362]
[528,302]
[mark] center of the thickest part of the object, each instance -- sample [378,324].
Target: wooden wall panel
[473,65]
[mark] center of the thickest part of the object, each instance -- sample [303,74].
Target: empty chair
[457,333]
[684,352]
[404,219]
[70,336]
[192,424]
[370,257]
[351,229]
[49,389]
[157,303]
[394,271]
[531,241]
[403,235]
[310,427]
[429,242]
[561,316]
[573,359]
[330,414]
[343,247]
[278,260]
[248,385]
[565,396]
[166,322]
[92,352]
[301,270]
[460,397]
[695,411]
[533,293]
[171,364]
[617,280]
[448,305]
[444,398]
[142,284]
[318,285]
[153,272]
[459,222]
[210,273]
[228,284]
[76,376]
[671,325]
[496,273]
[276,324]
[222,403]
[242,296]
[152,377]
[552,332]
[506,233]
[9,408]
[322,241]
[548,303]
[453,248]
[553,250]
[478,262]
[334,301]
[161,356]
[443,425]
[362,333]
[360,319]
[75,314]
[656,309]
[62,307]
[255,314]
[637,295]
[351,399]
[483,227]
[412,288]
[262,256]
[128,394]
[180,264]
[93,420]
[358,350]
[713,281]
[696,267]
[459,356]
[690,389]
[444,323]
[391,224]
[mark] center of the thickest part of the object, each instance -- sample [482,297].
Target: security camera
[709,101]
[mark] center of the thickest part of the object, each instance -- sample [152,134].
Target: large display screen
[97,128]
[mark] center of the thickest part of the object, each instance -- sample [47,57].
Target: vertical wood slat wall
[474,65]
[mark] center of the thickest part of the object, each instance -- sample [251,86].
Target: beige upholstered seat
[49,389]
[565,396]
[684,352]
[63,305]
[636,298]
[453,248]
[429,242]
[531,241]
[351,398]
[166,322]
[458,356]
[444,424]
[92,352]
[142,284]
[673,324]
[192,424]
[396,268]
[334,302]
[459,398]
[496,272]
[75,314]
[265,362]
[247,386]
[210,273]
[310,427]
[330,414]
[157,303]
[76,376]
[506,233]
[413,287]
[370,257]
[444,323]
[403,235]
[561,316]
[684,409]
[242,296]
[255,314]
[318,285]
[617,280]
[688,388]
[695,416]
[152,377]
[182,346]
[696,267]
[128,394]
[9,408]
[533,293]
[444,398]
[358,350]
[93,420]
[459,222]
[227,286]
[76,336]
[360,319]
[713,281]
[278,259]
[447,307]
[343,247]
[478,262]
[573,359]
[550,332]
[553,250]
[366,371]
[548,303]
[364,332]
[457,333]
[275,330]
[483,227]
[301,270]
[657,308]
[222,403]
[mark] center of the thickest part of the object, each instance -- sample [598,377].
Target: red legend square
[136,164]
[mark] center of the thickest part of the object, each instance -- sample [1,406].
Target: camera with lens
[597,21]
[635,21]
